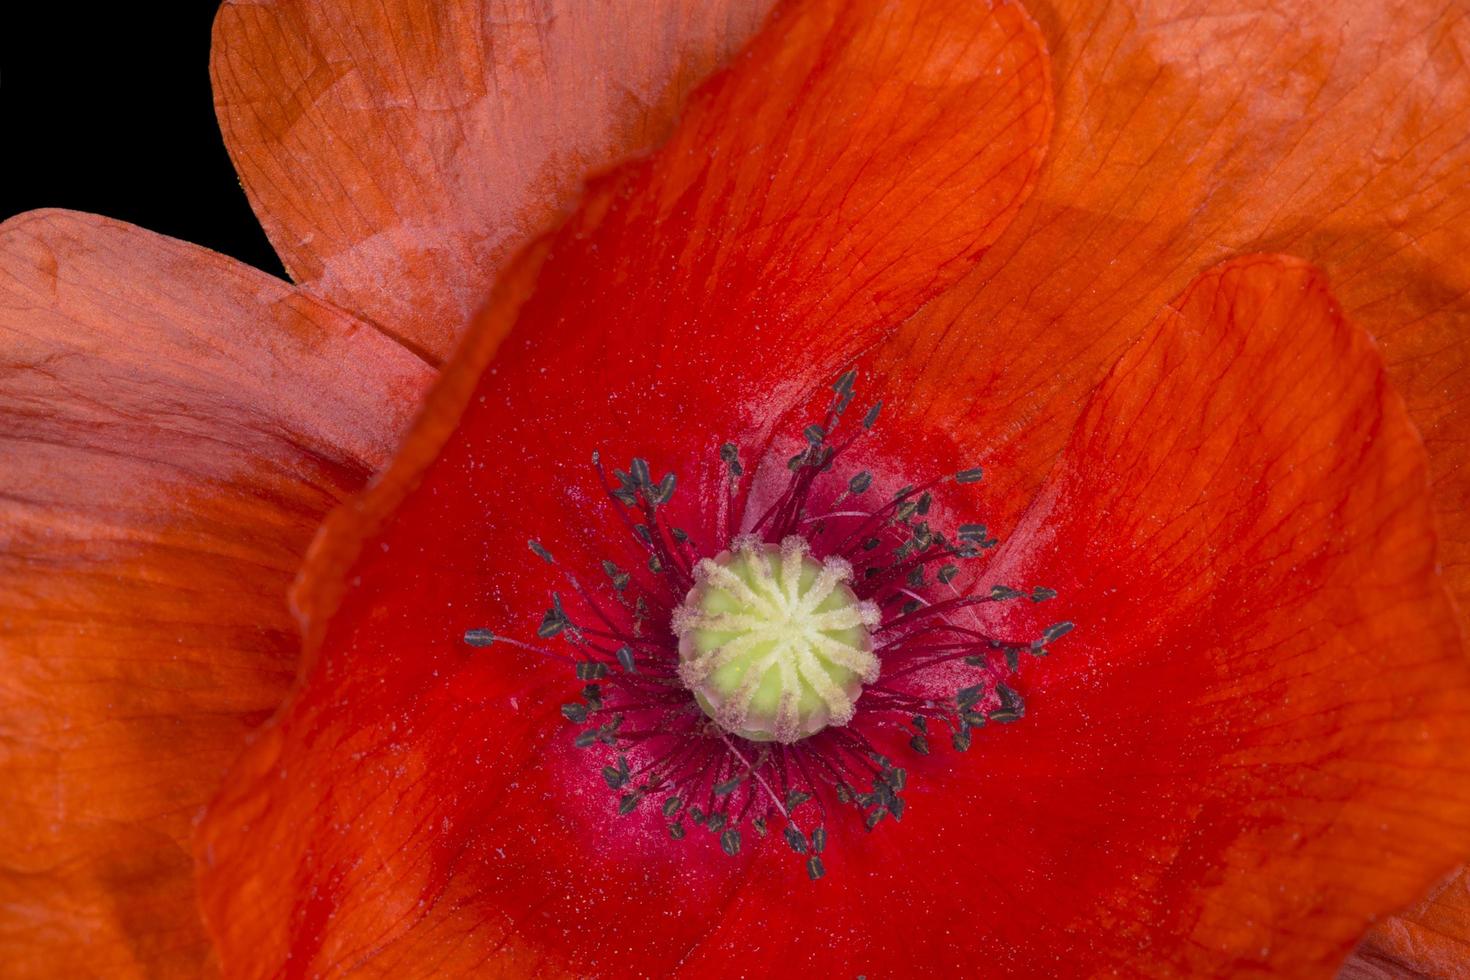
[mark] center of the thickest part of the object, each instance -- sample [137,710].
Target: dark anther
[730,842]
[961,739]
[672,805]
[574,712]
[1011,705]
[731,455]
[860,483]
[814,868]
[554,621]
[479,638]
[662,493]
[919,744]
[967,696]
[1041,594]
[814,434]
[972,532]
[590,670]
[541,552]
[627,804]
[795,839]
[871,419]
[727,787]
[676,831]
[625,660]
[947,573]
[715,823]
[795,798]
[1053,633]
[974,475]
[819,840]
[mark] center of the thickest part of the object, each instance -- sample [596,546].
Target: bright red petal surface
[173,427]
[854,162]
[1255,738]
[398,152]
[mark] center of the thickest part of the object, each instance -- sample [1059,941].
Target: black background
[107,108]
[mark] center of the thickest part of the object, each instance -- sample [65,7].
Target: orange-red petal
[1187,133]
[173,427]
[1241,528]
[1430,940]
[709,286]
[399,151]
[1259,722]
[1254,739]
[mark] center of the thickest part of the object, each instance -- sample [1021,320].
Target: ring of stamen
[648,695]
[773,644]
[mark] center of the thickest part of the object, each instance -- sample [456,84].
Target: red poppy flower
[1246,748]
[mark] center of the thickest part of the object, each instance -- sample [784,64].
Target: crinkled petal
[1255,737]
[399,151]
[853,162]
[173,427]
[1430,939]
[1187,133]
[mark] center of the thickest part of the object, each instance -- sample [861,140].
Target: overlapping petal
[398,153]
[175,426]
[851,164]
[1430,939]
[1241,528]
[1211,775]
[1187,133]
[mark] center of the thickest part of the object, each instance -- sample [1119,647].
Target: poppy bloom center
[773,644]
[722,688]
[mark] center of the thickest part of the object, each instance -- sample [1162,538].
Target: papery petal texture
[1185,134]
[1429,939]
[173,428]
[707,286]
[1212,774]
[399,152]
